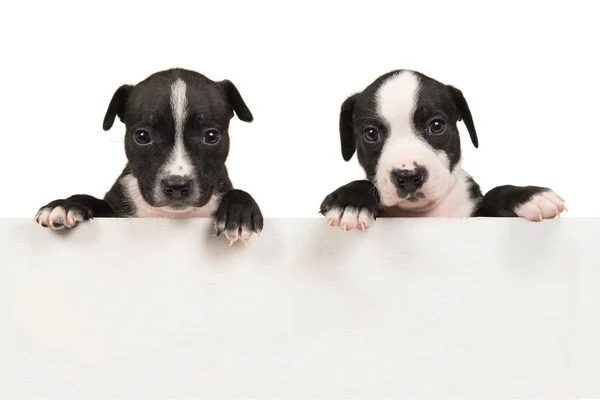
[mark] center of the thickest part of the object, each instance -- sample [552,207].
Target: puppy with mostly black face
[403,128]
[176,142]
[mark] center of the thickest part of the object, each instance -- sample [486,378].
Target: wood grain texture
[412,308]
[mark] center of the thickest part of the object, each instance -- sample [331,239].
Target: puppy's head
[176,137]
[403,128]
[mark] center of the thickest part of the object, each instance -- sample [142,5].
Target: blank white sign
[412,308]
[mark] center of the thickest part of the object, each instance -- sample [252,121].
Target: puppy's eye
[142,137]
[371,134]
[437,127]
[211,136]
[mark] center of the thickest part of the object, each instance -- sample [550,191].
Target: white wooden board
[412,308]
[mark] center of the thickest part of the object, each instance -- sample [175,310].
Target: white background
[529,71]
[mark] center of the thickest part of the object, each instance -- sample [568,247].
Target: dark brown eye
[371,135]
[142,137]
[437,127]
[211,136]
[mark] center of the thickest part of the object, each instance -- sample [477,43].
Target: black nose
[177,187]
[409,180]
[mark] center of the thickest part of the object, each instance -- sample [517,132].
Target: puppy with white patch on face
[403,128]
[176,142]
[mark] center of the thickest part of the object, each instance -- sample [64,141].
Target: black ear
[464,113]
[346,128]
[116,106]
[236,102]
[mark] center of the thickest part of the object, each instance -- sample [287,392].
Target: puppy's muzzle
[177,187]
[408,181]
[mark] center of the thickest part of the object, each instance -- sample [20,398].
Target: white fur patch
[145,210]
[349,218]
[396,101]
[179,162]
[546,205]
[404,149]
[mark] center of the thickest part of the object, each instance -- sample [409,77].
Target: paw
[238,217]
[540,206]
[353,206]
[61,214]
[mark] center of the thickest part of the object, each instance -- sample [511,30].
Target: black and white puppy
[403,128]
[176,142]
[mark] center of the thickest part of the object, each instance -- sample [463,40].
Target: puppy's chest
[144,210]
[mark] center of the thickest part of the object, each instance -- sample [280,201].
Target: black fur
[474,191]
[236,211]
[116,107]
[236,101]
[464,113]
[147,107]
[358,195]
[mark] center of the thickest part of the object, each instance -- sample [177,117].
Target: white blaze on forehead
[179,162]
[396,102]
[404,148]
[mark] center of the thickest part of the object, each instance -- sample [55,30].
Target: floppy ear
[464,113]
[236,102]
[116,106]
[346,128]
